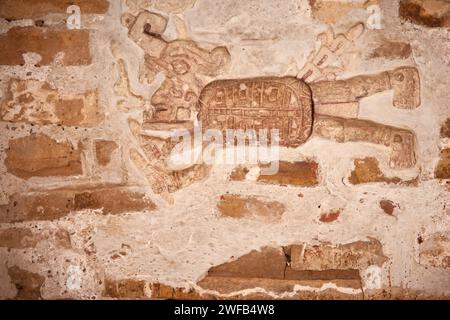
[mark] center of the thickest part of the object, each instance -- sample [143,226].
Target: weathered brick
[125,289]
[435,251]
[56,204]
[32,9]
[300,173]
[388,206]
[37,102]
[445,129]
[28,284]
[267,263]
[104,150]
[236,206]
[357,255]
[367,171]
[427,13]
[46,42]
[38,155]
[392,50]
[330,216]
[442,170]
[20,238]
[270,270]
[239,173]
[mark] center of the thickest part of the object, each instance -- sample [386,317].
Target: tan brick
[435,251]
[40,156]
[267,263]
[367,171]
[47,43]
[300,173]
[357,255]
[392,50]
[32,9]
[442,170]
[332,11]
[37,102]
[104,150]
[236,206]
[20,238]
[56,204]
[427,13]
[28,284]
[125,289]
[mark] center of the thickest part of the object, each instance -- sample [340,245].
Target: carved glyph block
[259,103]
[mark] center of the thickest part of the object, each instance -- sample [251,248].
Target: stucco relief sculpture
[284,103]
[287,103]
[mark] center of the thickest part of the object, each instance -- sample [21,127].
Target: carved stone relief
[186,68]
[283,103]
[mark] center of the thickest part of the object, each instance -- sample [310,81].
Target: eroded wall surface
[91,208]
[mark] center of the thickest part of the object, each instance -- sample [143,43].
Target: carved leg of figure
[401,141]
[404,81]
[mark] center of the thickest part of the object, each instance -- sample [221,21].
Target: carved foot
[402,146]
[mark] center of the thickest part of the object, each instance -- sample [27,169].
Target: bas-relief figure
[284,103]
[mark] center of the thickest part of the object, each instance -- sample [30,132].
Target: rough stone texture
[433,14]
[93,204]
[435,251]
[40,156]
[32,9]
[46,42]
[236,206]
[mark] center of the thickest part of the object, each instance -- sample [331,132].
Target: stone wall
[91,207]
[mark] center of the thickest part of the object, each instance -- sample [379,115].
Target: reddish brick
[32,9]
[52,205]
[47,43]
[39,156]
[388,206]
[28,284]
[442,170]
[20,238]
[330,216]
